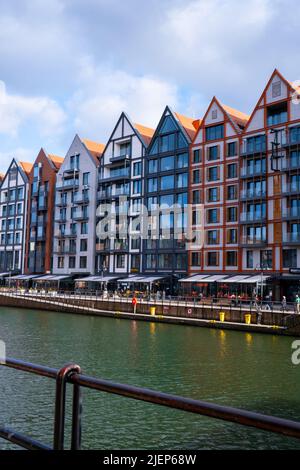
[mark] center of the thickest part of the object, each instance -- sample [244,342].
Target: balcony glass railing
[291,212]
[252,193]
[248,240]
[252,216]
[291,237]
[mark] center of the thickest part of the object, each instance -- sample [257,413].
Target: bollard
[222,316]
[248,318]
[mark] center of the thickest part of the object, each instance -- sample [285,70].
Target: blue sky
[72,66]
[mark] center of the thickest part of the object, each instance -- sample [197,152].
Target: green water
[251,371]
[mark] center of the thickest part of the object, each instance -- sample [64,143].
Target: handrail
[71,374]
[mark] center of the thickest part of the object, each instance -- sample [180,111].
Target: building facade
[121,189]
[75,209]
[13,217]
[214,184]
[166,185]
[40,220]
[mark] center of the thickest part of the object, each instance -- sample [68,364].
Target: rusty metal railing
[71,373]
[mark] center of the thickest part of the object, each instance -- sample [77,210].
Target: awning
[194,278]
[48,277]
[4,274]
[216,278]
[133,278]
[150,279]
[96,279]
[236,279]
[254,279]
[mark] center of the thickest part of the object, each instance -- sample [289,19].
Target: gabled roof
[238,117]
[95,148]
[190,125]
[145,132]
[2,175]
[26,167]
[57,161]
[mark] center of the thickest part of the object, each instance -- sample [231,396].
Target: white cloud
[104,93]
[42,112]
[20,153]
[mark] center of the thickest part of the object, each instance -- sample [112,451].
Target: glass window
[151,261]
[266,259]
[182,143]
[182,160]
[167,143]
[182,199]
[154,147]
[167,200]
[249,259]
[72,262]
[125,149]
[165,261]
[231,192]
[196,197]
[289,258]
[232,235]
[232,149]
[196,259]
[182,180]
[153,166]
[214,132]
[120,261]
[152,203]
[85,179]
[212,258]
[197,156]
[213,174]
[212,216]
[212,237]
[167,163]
[231,258]
[232,214]
[232,170]
[213,194]
[137,168]
[168,125]
[152,185]
[83,262]
[213,153]
[196,177]
[167,182]
[137,187]
[83,245]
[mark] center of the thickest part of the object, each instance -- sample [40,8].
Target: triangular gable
[262,100]
[181,123]
[236,118]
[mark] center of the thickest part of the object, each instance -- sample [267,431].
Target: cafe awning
[216,278]
[4,274]
[236,279]
[97,279]
[23,277]
[194,278]
[254,279]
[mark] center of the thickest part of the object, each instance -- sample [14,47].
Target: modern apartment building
[13,217]
[214,183]
[75,209]
[167,184]
[40,220]
[270,184]
[121,188]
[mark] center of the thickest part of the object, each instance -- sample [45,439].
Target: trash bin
[248,318]
[152,311]
[222,316]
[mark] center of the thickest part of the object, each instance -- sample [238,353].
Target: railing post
[60,404]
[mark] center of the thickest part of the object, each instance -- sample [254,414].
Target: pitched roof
[95,148]
[2,175]
[190,125]
[145,132]
[237,116]
[26,167]
[56,160]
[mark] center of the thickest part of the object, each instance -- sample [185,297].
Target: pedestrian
[283,303]
[297,302]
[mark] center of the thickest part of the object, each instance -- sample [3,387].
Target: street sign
[294,270]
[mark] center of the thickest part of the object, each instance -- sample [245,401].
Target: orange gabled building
[40,219]
[214,185]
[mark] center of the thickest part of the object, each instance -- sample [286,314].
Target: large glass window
[167,182]
[289,258]
[165,261]
[213,153]
[167,163]
[168,125]
[277,114]
[152,185]
[213,174]
[167,143]
[137,168]
[182,160]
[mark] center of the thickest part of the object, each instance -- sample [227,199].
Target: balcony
[121,246]
[103,246]
[43,206]
[61,219]
[293,138]
[253,241]
[65,251]
[290,164]
[67,185]
[291,238]
[291,213]
[71,170]
[122,174]
[253,150]
[119,158]
[247,217]
[61,202]
[124,191]
[252,172]
[65,234]
[104,194]
[80,216]
[253,194]
[81,199]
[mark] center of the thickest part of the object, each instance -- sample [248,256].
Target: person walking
[297,302]
[283,303]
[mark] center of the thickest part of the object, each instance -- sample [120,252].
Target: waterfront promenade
[214,313]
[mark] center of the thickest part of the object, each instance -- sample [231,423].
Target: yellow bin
[152,311]
[222,316]
[248,318]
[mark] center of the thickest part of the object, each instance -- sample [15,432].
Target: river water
[252,371]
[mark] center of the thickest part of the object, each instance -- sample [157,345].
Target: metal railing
[71,373]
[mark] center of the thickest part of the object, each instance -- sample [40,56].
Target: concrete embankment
[177,313]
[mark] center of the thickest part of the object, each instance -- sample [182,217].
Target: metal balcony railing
[71,374]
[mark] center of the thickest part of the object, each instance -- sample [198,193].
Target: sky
[72,66]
